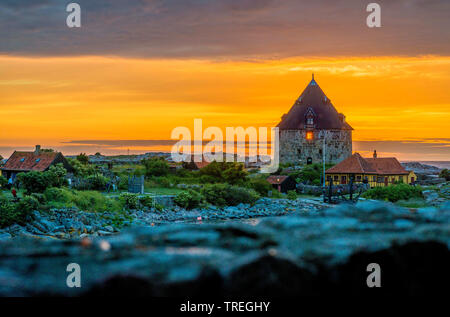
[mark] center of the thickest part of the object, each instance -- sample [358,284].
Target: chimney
[375,154]
[37,150]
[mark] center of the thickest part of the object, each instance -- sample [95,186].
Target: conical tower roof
[313,102]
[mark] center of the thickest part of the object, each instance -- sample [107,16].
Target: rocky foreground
[325,251]
[72,223]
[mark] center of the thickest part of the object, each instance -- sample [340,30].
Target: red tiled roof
[277,179]
[387,165]
[356,164]
[30,161]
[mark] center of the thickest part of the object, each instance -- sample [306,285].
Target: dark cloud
[224,28]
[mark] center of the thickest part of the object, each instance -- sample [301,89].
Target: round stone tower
[313,127]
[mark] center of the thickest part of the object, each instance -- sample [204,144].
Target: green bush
[34,182]
[97,182]
[130,201]
[57,175]
[146,201]
[228,195]
[58,195]
[83,158]
[227,172]
[156,166]
[38,182]
[11,213]
[394,193]
[188,199]
[80,169]
[84,200]
[261,186]
[292,194]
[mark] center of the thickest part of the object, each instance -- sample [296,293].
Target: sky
[135,70]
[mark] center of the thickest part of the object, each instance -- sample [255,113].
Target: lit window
[310,121]
[309,135]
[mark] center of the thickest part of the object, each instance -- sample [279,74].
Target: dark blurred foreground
[325,252]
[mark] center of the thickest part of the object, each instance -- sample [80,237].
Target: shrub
[83,158]
[229,172]
[34,182]
[261,186]
[156,166]
[292,195]
[11,213]
[130,201]
[394,193]
[228,195]
[146,201]
[38,182]
[58,195]
[188,199]
[96,182]
[85,200]
[57,175]
[80,169]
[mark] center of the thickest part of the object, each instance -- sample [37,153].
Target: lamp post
[323,155]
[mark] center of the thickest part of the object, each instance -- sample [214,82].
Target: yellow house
[375,171]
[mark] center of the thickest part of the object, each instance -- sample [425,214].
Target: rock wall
[295,148]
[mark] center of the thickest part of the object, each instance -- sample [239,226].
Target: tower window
[310,120]
[309,135]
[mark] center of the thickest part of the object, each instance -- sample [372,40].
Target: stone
[109,228]
[5,236]
[430,195]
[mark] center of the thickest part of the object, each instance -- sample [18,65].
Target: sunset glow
[50,101]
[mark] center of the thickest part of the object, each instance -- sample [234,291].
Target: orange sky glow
[52,101]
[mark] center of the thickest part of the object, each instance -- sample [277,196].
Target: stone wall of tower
[295,148]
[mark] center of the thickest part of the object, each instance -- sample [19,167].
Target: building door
[343,180]
[309,160]
[386,179]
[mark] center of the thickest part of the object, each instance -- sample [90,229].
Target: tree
[38,182]
[57,175]
[83,158]
[80,169]
[228,172]
[156,166]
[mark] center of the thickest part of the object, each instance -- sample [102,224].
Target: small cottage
[282,183]
[38,160]
[375,171]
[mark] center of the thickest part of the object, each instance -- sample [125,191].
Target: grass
[412,203]
[163,191]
